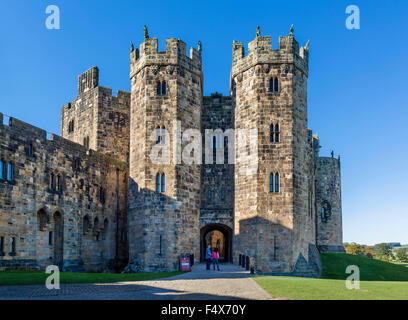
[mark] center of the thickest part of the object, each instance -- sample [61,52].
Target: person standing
[208,256]
[215,257]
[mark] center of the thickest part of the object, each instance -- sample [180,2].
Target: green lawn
[39,277]
[379,281]
[326,289]
[335,264]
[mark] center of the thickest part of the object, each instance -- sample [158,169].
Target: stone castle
[93,199]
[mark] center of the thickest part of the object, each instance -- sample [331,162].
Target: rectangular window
[50,238]
[222,195]
[160,245]
[1,246]
[1,169]
[30,150]
[9,171]
[277,182]
[58,185]
[276,84]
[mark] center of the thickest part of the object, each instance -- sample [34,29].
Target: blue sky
[357,81]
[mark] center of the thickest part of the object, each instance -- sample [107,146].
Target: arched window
[30,150]
[276,85]
[59,183]
[214,144]
[163,183]
[164,88]
[271,182]
[52,181]
[277,133]
[85,225]
[271,133]
[158,182]
[271,84]
[276,182]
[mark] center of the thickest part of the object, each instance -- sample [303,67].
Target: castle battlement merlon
[260,51]
[175,54]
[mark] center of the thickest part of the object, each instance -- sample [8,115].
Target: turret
[166,100]
[269,89]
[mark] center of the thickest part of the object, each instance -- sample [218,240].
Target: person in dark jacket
[208,256]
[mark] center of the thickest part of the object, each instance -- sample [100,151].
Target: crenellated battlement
[260,51]
[175,54]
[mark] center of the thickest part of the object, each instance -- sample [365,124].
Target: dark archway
[58,239]
[218,235]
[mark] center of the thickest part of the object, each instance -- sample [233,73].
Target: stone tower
[269,89]
[97,119]
[166,99]
[329,237]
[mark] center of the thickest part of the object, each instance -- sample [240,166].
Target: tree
[369,252]
[401,255]
[383,252]
[355,249]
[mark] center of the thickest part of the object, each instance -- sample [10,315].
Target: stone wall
[45,215]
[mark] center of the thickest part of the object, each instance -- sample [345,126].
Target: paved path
[231,283]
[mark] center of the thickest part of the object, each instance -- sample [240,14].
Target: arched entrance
[218,236]
[58,239]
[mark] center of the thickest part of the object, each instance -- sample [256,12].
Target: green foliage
[383,252]
[401,254]
[355,249]
[359,250]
